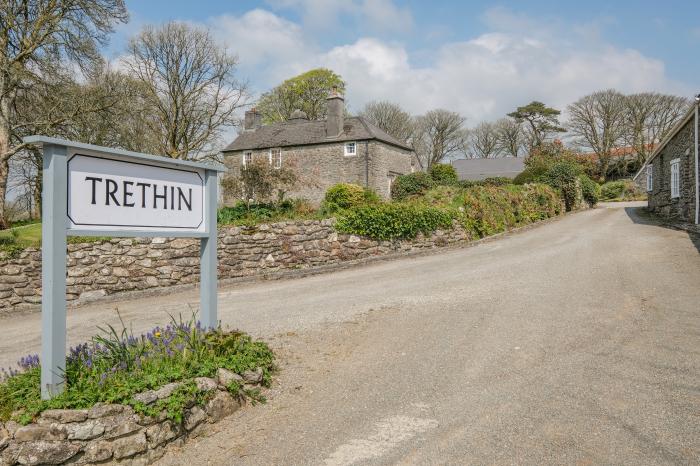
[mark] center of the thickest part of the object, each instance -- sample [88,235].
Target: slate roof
[479,169]
[302,132]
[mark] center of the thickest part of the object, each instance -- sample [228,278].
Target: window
[247,158]
[675,178]
[350,149]
[650,178]
[276,158]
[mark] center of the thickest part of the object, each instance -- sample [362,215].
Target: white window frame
[244,158]
[278,162]
[675,178]
[348,153]
[650,178]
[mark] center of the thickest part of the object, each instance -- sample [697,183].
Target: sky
[481,59]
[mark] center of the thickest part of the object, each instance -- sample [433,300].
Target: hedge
[393,221]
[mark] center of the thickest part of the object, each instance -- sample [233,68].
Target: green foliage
[589,189]
[253,214]
[621,190]
[540,120]
[564,176]
[487,210]
[393,221]
[115,366]
[347,196]
[443,174]
[412,184]
[306,92]
[497,181]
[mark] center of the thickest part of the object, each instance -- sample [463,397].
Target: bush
[245,214]
[487,210]
[347,196]
[114,367]
[564,176]
[412,184]
[589,189]
[621,190]
[497,181]
[443,174]
[530,175]
[393,221]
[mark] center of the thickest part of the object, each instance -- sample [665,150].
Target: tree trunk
[4,169]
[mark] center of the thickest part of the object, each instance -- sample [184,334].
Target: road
[575,342]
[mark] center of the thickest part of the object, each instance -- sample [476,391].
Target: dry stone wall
[120,265]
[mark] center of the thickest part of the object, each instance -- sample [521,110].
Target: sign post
[91,190]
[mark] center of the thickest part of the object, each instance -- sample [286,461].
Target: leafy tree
[444,174]
[439,135]
[190,87]
[307,92]
[540,121]
[40,42]
[390,118]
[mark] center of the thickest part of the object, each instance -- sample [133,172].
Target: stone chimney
[253,119]
[335,114]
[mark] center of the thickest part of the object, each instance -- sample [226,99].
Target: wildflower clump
[117,365]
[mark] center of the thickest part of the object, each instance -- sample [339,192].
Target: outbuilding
[670,175]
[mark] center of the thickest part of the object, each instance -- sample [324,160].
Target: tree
[482,141]
[598,120]
[650,116]
[260,182]
[540,122]
[307,92]
[390,118]
[510,137]
[439,135]
[39,40]
[189,86]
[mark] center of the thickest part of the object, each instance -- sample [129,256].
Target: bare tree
[189,85]
[439,134]
[482,141]
[40,39]
[598,120]
[390,118]
[650,116]
[510,137]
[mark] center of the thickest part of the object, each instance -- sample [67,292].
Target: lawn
[25,236]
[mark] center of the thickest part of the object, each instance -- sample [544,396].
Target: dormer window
[350,149]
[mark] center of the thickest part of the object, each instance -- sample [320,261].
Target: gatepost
[91,190]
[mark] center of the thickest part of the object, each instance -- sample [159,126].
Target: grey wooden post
[53,271]
[207,253]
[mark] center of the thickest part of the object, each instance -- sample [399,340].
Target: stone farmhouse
[338,149]
[670,175]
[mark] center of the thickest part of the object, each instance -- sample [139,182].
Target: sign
[98,191]
[108,193]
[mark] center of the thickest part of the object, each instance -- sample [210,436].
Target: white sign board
[107,193]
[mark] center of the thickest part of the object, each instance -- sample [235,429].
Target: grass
[116,365]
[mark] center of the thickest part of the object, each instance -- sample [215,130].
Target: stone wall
[120,265]
[324,165]
[111,433]
[660,201]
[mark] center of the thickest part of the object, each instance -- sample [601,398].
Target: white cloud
[521,59]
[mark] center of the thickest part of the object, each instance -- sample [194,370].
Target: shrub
[443,174]
[394,221]
[589,189]
[347,196]
[564,176]
[497,181]
[530,175]
[487,210]
[252,214]
[412,184]
[114,367]
[621,190]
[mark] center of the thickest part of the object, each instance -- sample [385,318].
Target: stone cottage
[338,149]
[670,175]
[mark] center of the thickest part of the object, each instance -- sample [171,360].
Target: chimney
[335,114]
[253,119]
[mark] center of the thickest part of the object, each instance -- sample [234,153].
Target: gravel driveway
[576,342]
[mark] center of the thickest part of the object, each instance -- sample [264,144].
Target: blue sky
[479,58]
